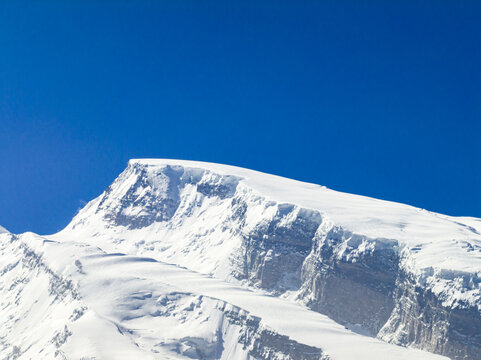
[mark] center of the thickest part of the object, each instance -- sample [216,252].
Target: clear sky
[379,98]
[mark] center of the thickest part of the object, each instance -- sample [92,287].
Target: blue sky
[378,98]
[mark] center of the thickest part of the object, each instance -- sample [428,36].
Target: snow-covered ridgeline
[155,197]
[300,241]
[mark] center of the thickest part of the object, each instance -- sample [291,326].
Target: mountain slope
[181,259]
[74,301]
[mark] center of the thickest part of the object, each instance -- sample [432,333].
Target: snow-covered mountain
[192,260]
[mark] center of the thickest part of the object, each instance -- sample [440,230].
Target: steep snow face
[3,230]
[380,268]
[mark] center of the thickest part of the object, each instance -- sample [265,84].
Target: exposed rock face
[420,319]
[139,198]
[354,286]
[364,283]
[361,284]
[155,194]
[263,343]
[274,249]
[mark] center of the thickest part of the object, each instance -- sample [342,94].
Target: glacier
[192,260]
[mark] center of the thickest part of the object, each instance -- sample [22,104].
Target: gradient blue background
[378,98]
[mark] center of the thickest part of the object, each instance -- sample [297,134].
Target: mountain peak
[171,243]
[156,190]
